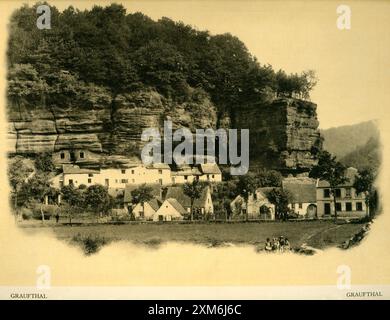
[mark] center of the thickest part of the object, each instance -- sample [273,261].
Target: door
[311,211]
[160,217]
[327,208]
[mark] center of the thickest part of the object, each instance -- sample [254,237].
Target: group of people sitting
[280,244]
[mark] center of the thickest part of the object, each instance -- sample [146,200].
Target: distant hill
[341,141]
[366,156]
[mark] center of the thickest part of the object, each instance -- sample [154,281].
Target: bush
[91,244]
[26,213]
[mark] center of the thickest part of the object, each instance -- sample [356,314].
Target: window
[338,193]
[159,171]
[132,171]
[124,181]
[300,205]
[70,181]
[90,174]
[326,193]
[123,171]
[185,177]
[212,176]
[348,206]
[81,155]
[348,192]
[89,180]
[338,206]
[107,182]
[293,206]
[359,206]
[62,155]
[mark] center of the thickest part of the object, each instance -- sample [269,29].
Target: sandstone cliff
[114,128]
[283,134]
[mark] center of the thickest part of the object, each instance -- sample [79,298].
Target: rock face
[114,129]
[283,134]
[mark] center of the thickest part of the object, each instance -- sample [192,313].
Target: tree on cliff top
[106,47]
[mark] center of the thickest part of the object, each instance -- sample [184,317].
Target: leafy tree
[280,198]
[18,172]
[141,195]
[75,200]
[330,170]
[37,188]
[364,183]
[268,178]
[44,162]
[98,199]
[193,191]
[246,185]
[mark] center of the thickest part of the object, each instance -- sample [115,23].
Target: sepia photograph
[178,144]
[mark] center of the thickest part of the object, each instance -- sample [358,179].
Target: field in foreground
[317,234]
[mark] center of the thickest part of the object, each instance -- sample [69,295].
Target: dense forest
[89,57]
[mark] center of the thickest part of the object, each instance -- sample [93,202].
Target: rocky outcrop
[114,129]
[283,134]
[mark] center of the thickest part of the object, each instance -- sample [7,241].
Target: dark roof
[350,173]
[210,168]
[156,191]
[177,193]
[73,169]
[301,190]
[177,205]
[158,166]
[265,190]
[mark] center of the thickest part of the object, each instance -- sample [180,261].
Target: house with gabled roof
[210,172]
[349,203]
[258,206]
[147,211]
[170,210]
[202,206]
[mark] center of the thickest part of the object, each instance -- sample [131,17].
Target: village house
[170,210]
[147,211]
[119,177]
[209,172]
[303,198]
[348,202]
[76,176]
[259,207]
[203,206]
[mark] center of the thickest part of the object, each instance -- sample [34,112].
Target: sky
[352,65]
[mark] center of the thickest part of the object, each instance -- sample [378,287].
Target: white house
[258,207]
[76,176]
[170,210]
[202,206]
[147,211]
[118,178]
[303,199]
[348,202]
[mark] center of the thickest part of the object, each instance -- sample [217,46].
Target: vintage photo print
[194,149]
